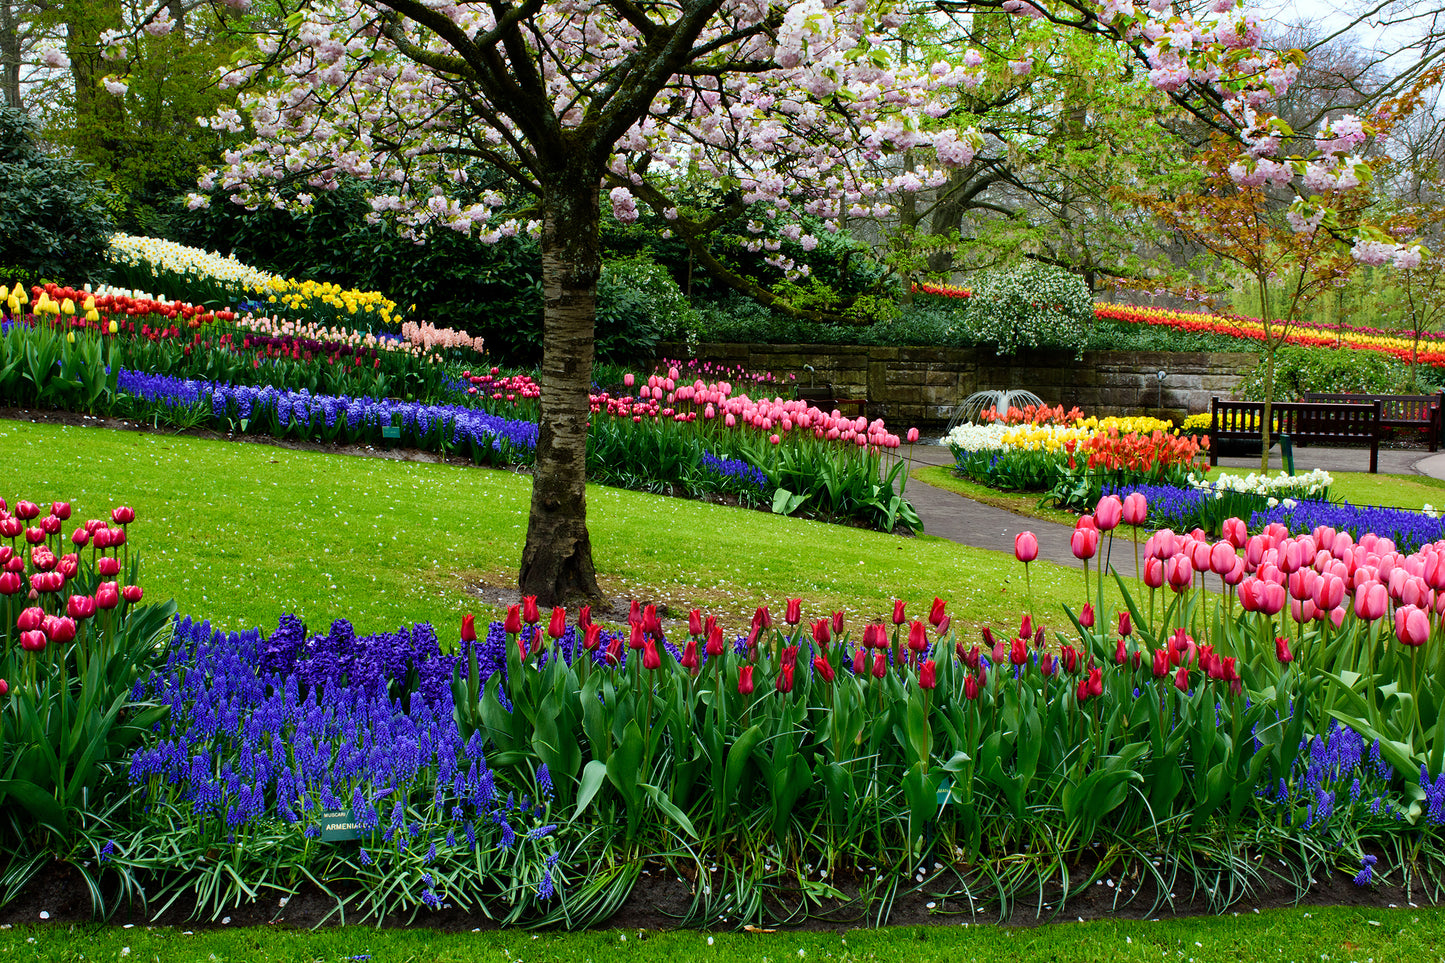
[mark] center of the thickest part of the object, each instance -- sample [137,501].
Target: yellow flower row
[308,295]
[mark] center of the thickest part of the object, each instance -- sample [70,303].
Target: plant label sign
[339,825]
[390,431]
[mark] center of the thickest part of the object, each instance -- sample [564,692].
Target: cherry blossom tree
[798,108]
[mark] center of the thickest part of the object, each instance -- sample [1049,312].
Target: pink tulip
[1273,599]
[1329,592]
[1108,513]
[628,379]
[1235,532]
[912,436]
[1222,558]
[1412,625]
[1026,547]
[1153,573]
[1179,572]
[1084,543]
[1136,509]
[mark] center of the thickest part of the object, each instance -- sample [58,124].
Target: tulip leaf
[670,809]
[593,775]
[738,755]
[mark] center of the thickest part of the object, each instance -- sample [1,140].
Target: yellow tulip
[67,307]
[70,336]
[92,316]
[113,327]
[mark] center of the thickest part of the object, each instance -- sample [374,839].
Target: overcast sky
[1339,13]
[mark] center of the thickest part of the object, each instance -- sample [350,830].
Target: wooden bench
[1398,411]
[1234,422]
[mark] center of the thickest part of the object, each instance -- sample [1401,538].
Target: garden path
[963,520]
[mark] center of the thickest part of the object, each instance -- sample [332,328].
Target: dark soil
[661,899]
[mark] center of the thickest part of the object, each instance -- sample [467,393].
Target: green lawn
[1288,936]
[242,533]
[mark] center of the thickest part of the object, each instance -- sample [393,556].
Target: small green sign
[945,790]
[391,431]
[338,825]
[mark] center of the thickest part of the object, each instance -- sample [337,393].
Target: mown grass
[1288,936]
[241,533]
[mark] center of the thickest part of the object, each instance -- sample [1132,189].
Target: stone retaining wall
[922,386]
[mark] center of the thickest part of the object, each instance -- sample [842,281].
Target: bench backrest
[1422,408]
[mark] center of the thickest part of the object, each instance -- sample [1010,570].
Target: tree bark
[9,55]
[557,560]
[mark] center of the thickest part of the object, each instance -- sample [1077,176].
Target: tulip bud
[936,614]
[584,617]
[651,624]
[1161,663]
[860,661]
[4,688]
[745,680]
[592,636]
[928,674]
[971,687]
[820,632]
[823,668]
[917,637]
[637,639]
[469,628]
[614,651]
[513,624]
[530,614]
[1069,658]
[715,642]
[785,679]
[838,622]
[132,593]
[880,664]
[1086,617]
[558,624]
[898,617]
[943,625]
[1181,679]
[80,538]
[1281,650]
[793,612]
[694,622]
[650,657]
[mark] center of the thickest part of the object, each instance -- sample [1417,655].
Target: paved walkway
[972,523]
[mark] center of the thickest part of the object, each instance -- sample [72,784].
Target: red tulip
[823,668]
[584,617]
[10,582]
[838,622]
[34,535]
[614,651]
[973,658]
[1153,573]
[80,607]
[638,638]
[1069,658]
[26,510]
[1046,663]
[715,642]
[530,615]
[60,630]
[1181,679]
[971,687]
[694,622]
[117,536]
[100,537]
[1026,626]
[912,436]
[4,688]
[1281,650]
[943,625]
[917,636]
[1136,509]
[1108,513]
[860,661]
[513,624]
[785,679]
[1161,663]
[1125,626]
[1084,543]
[33,641]
[936,614]
[1370,601]
[10,526]
[635,615]
[874,636]
[651,624]
[928,674]
[50,525]
[30,619]
[762,619]
[793,611]
[1026,547]
[107,566]
[122,515]
[1096,682]
[469,628]
[1018,652]
[898,617]
[1179,571]
[592,636]
[1086,617]
[132,593]
[650,657]
[745,680]
[880,664]
[820,632]
[558,624]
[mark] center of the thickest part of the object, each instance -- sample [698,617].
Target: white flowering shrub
[1031,306]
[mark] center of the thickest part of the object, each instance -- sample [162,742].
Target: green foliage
[638,304]
[49,367]
[53,221]
[1297,370]
[1030,306]
[737,319]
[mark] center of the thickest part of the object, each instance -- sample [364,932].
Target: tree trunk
[1270,346]
[9,55]
[557,559]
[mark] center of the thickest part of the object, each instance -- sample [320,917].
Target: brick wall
[922,386]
